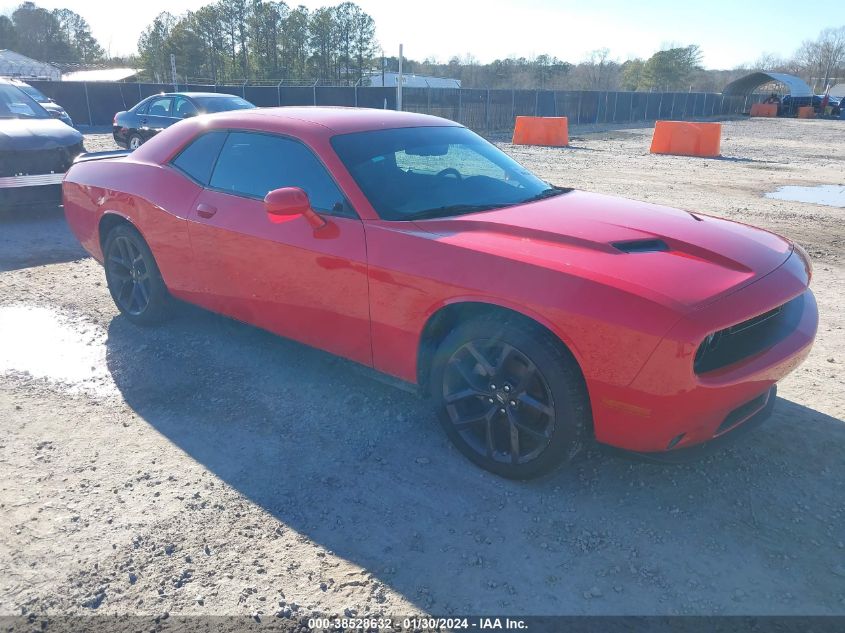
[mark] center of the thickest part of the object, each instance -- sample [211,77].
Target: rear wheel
[135,141]
[510,397]
[133,277]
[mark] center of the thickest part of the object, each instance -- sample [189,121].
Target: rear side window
[141,108]
[253,164]
[197,159]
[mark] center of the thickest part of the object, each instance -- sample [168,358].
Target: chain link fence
[95,103]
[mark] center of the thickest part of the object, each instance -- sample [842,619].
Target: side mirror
[55,114]
[286,202]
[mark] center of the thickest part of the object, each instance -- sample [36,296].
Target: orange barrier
[764,109]
[552,131]
[806,112]
[686,139]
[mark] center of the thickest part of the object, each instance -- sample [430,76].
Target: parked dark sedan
[153,114]
[35,150]
[56,111]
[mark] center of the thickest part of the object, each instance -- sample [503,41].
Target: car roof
[195,94]
[335,119]
[313,124]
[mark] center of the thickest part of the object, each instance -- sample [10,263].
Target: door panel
[287,277]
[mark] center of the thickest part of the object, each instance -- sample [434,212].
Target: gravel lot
[206,467]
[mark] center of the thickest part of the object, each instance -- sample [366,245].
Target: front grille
[750,337]
[55,160]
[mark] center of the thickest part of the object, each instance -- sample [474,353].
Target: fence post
[513,104]
[615,103]
[659,107]
[428,97]
[536,103]
[314,88]
[88,103]
[578,112]
[487,112]
[139,91]
[672,114]
[460,99]
[721,105]
[279,92]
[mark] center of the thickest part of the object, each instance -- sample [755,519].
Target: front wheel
[135,141]
[510,397]
[133,277]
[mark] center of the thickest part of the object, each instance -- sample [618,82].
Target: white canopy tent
[14,64]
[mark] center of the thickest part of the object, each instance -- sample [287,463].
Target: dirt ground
[206,467]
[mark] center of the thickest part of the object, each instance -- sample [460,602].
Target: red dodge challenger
[535,316]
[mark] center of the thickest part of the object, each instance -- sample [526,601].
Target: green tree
[40,35]
[152,46]
[671,69]
[8,34]
[632,74]
[364,44]
[324,41]
[77,33]
[295,43]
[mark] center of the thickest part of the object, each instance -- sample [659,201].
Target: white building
[102,74]
[391,79]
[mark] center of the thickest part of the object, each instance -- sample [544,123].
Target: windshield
[221,104]
[34,93]
[14,104]
[426,172]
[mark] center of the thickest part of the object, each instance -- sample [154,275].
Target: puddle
[45,343]
[830,195]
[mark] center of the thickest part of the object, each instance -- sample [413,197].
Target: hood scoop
[641,246]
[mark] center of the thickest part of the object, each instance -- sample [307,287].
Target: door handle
[205,210]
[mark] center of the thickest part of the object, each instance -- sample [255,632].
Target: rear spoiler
[89,156]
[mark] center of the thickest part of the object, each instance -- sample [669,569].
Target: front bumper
[740,427]
[668,407]
[39,196]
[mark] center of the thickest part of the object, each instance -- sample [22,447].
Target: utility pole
[399,83]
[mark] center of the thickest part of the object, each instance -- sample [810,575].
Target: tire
[135,141]
[493,378]
[133,277]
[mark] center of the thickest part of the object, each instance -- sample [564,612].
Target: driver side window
[160,107]
[253,163]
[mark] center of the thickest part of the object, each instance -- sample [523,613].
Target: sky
[729,33]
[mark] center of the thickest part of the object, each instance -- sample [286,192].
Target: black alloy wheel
[498,401]
[510,396]
[133,277]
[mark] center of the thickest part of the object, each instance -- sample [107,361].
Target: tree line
[232,41]
[60,35]
[252,40]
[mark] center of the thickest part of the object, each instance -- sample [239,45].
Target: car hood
[677,257]
[30,134]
